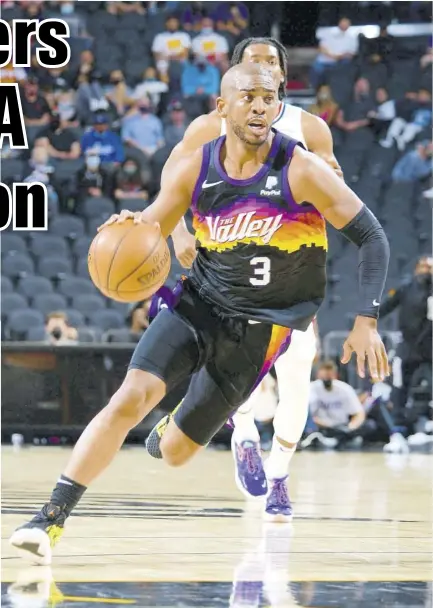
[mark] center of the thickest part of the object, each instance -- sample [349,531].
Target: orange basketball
[129,262]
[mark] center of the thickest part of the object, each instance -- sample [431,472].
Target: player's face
[266,55]
[252,108]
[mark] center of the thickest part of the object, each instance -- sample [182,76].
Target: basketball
[129,262]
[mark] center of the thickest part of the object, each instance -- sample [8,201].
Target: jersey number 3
[262,271]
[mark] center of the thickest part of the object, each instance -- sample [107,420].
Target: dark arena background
[99,131]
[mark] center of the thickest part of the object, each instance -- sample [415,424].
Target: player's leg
[294,374]
[167,353]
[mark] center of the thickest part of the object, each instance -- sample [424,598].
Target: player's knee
[139,393]
[176,448]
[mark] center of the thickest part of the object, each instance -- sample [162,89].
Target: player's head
[266,51]
[249,102]
[424,266]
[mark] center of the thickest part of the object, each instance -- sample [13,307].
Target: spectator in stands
[338,46]
[92,179]
[36,110]
[76,22]
[143,130]
[427,59]
[325,106]
[129,181]
[175,129]
[415,165]
[85,67]
[377,50]
[11,74]
[91,98]
[118,92]
[138,320]
[355,115]
[67,109]
[193,14]
[42,172]
[151,87]
[58,331]
[34,10]
[60,141]
[232,17]
[403,130]
[334,407]
[384,111]
[103,141]
[201,82]
[414,352]
[211,45]
[172,44]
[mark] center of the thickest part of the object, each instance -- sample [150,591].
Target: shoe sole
[238,482]
[277,518]
[32,544]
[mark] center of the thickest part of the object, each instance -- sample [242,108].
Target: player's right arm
[173,199]
[202,130]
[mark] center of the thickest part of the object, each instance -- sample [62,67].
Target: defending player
[226,329]
[294,367]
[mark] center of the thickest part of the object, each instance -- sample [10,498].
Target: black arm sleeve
[368,235]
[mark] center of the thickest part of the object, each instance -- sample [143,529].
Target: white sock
[245,427]
[277,465]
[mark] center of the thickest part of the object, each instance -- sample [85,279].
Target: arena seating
[42,273]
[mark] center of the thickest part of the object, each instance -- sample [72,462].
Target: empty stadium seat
[6,285]
[17,264]
[11,302]
[50,302]
[48,245]
[36,334]
[88,304]
[82,269]
[98,207]
[133,204]
[75,317]
[118,336]
[31,286]
[12,242]
[106,319]
[21,321]
[13,170]
[54,268]
[70,286]
[81,247]
[67,225]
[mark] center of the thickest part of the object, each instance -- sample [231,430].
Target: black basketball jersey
[261,256]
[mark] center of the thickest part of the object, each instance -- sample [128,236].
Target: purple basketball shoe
[278,505]
[249,472]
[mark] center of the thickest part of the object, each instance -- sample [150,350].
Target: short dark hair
[283,57]
[328,364]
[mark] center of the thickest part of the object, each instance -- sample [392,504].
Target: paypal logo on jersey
[269,190]
[243,226]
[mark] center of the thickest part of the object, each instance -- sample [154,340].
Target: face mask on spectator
[327,384]
[144,109]
[66,110]
[67,9]
[93,162]
[323,96]
[207,30]
[130,169]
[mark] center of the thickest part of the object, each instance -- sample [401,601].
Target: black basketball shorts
[227,358]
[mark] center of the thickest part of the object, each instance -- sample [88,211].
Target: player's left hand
[365,341]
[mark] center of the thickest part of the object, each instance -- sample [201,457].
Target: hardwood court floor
[359,517]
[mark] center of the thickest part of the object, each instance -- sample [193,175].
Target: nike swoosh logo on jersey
[207,185]
[376,303]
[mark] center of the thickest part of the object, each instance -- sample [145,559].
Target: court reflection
[260,579]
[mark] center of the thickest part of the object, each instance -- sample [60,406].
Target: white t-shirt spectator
[336,406]
[210,44]
[338,42]
[170,44]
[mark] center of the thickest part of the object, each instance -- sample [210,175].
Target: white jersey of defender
[288,122]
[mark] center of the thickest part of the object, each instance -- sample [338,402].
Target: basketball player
[294,367]
[226,329]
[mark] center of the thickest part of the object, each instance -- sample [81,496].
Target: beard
[242,134]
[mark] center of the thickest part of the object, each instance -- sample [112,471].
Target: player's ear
[221,107]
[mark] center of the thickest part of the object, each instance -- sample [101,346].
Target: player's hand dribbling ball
[129,260]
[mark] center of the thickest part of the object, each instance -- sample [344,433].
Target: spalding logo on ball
[129,262]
